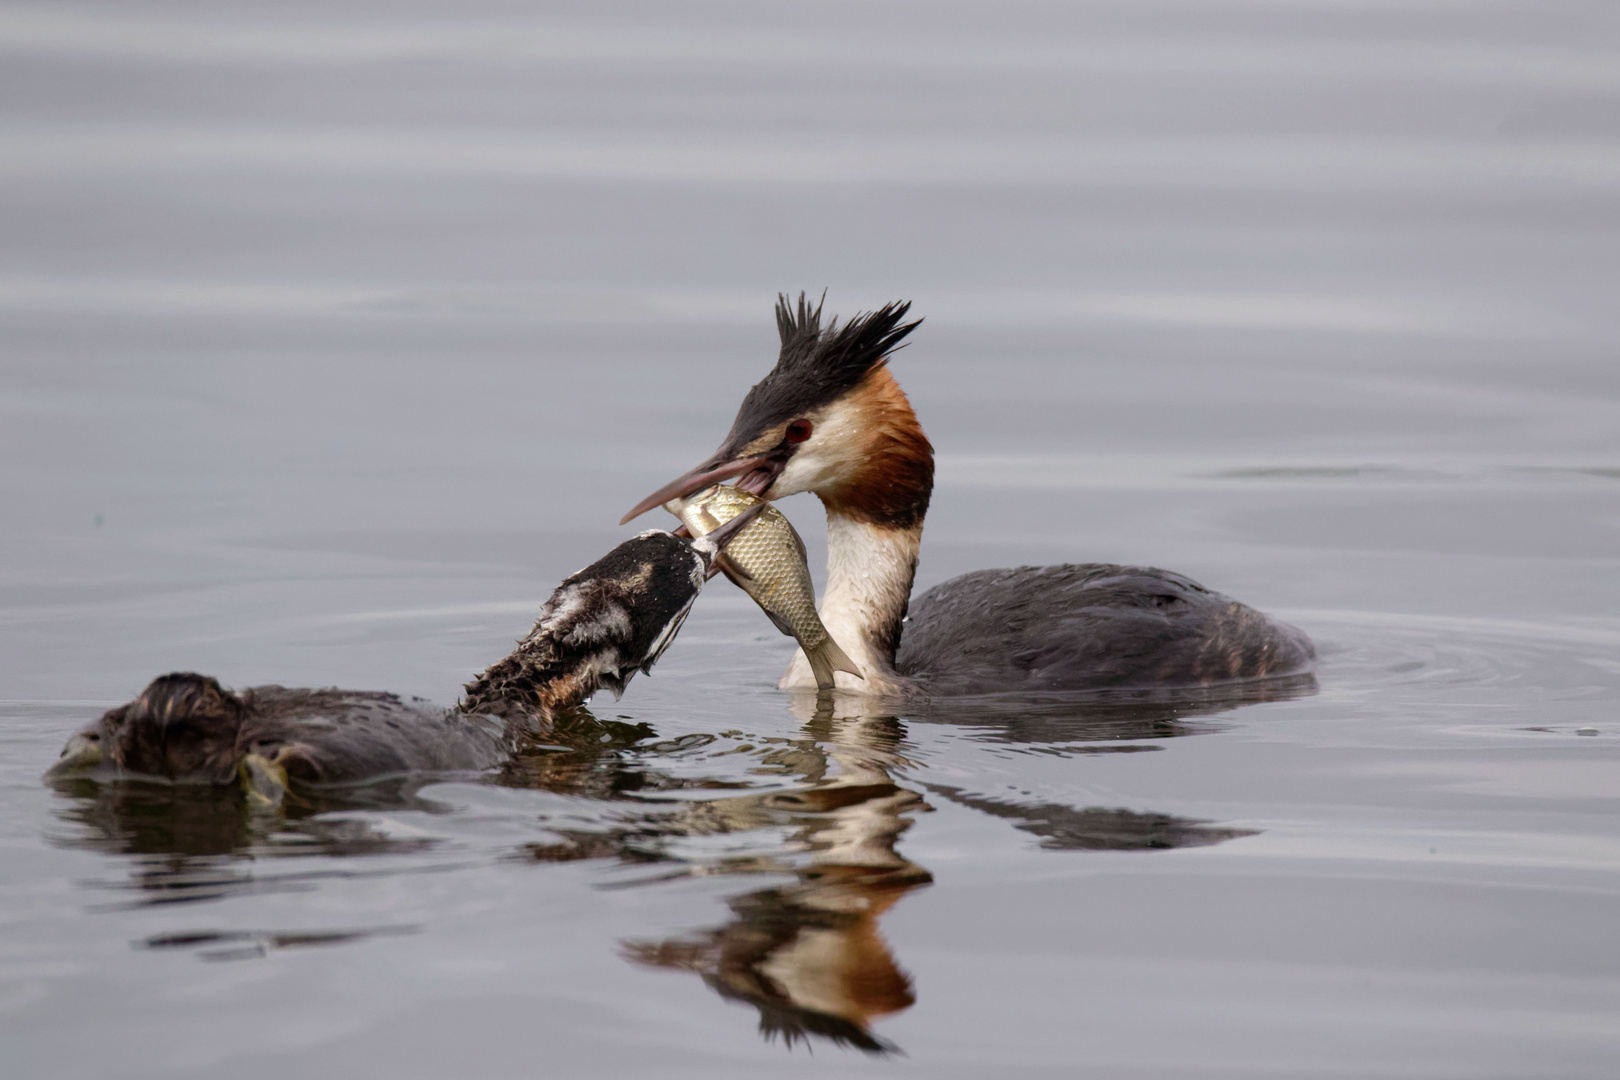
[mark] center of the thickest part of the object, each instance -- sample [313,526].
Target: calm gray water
[334,335]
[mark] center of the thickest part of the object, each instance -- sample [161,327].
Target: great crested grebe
[599,628]
[830,418]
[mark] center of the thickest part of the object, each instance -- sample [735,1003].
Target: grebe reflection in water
[810,954]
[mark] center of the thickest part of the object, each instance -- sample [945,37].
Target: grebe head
[604,624]
[183,727]
[618,615]
[829,418]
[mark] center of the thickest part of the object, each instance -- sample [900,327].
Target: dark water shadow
[140,817]
[1096,828]
[1112,715]
[217,945]
[191,843]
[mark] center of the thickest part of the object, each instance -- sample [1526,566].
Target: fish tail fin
[827,658]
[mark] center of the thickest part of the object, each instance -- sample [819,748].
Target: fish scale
[767,560]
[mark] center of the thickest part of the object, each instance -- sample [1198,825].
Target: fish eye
[798,431]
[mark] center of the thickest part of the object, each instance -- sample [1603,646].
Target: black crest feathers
[839,356]
[818,365]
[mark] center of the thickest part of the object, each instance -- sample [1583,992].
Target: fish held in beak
[758,473]
[766,560]
[717,539]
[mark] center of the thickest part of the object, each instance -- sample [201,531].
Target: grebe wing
[1089,626]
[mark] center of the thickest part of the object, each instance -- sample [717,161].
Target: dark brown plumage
[188,728]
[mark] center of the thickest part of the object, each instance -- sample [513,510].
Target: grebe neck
[870,568]
[876,488]
[534,681]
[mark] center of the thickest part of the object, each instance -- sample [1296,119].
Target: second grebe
[599,628]
[830,418]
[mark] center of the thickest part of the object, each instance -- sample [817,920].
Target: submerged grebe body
[830,419]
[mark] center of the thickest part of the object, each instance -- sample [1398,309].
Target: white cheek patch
[830,456]
[806,471]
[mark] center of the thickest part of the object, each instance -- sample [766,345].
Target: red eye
[798,431]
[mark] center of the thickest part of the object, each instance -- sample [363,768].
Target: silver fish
[767,561]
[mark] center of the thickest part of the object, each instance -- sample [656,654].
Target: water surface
[336,335]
